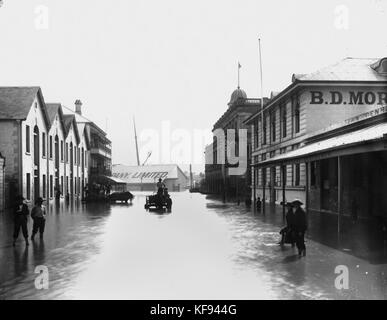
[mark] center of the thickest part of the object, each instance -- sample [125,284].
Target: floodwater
[202,249]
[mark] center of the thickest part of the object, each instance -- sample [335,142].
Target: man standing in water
[21,213]
[38,214]
[300,226]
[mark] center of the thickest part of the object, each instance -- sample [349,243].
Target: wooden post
[283,170]
[254,186]
[339,196]
[263,190]
[307,186]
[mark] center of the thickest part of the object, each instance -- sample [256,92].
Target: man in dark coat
[38,214]
[287,233]
[21,213]
[299,226]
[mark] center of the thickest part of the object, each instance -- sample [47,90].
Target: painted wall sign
[141,175]
[350,98]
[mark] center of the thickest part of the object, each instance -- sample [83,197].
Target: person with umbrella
[287,232]
[299,226]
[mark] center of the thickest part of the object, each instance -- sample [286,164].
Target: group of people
[296,226]
[21,216]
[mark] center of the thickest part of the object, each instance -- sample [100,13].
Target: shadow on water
[290,259]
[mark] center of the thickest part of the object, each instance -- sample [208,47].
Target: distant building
[144,178]
[218,179]
[100,162]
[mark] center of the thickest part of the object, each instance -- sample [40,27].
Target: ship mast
[135,138]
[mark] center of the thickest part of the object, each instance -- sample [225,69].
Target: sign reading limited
[350,98]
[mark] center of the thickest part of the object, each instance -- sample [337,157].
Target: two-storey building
[309,104]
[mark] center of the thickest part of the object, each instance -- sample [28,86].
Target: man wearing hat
[300,226]
[38,214]
[21,213]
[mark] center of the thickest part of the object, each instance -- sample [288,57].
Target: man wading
[300,226]
[38,214]
[21,213]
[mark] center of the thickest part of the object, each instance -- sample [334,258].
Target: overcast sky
[175,60]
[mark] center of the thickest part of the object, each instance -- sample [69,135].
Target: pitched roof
[82,119]
[52,110]
[16,102]
[69,119]
[82,130]
[348,69]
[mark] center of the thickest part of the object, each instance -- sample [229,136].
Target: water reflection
[202,249]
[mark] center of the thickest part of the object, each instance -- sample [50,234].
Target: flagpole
[238,75]
[262,121]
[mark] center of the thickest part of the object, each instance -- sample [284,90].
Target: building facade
[99,156]
[47,155]
[311,103]
[55,153]
[219,178]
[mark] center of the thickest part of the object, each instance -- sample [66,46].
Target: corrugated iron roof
[348,69]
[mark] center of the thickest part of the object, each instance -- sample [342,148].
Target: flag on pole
[239,65]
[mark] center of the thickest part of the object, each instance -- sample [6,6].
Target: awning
[109,179]
[326,147]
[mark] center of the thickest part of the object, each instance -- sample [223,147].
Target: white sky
[174,60]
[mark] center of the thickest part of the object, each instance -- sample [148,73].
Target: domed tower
[238,94]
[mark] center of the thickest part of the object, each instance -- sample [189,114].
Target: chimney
[78,107]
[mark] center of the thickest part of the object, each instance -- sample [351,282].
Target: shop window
[313,174]
[284,175]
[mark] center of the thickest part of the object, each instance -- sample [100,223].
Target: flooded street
[203,249]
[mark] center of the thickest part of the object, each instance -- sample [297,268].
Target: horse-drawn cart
[158,201]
